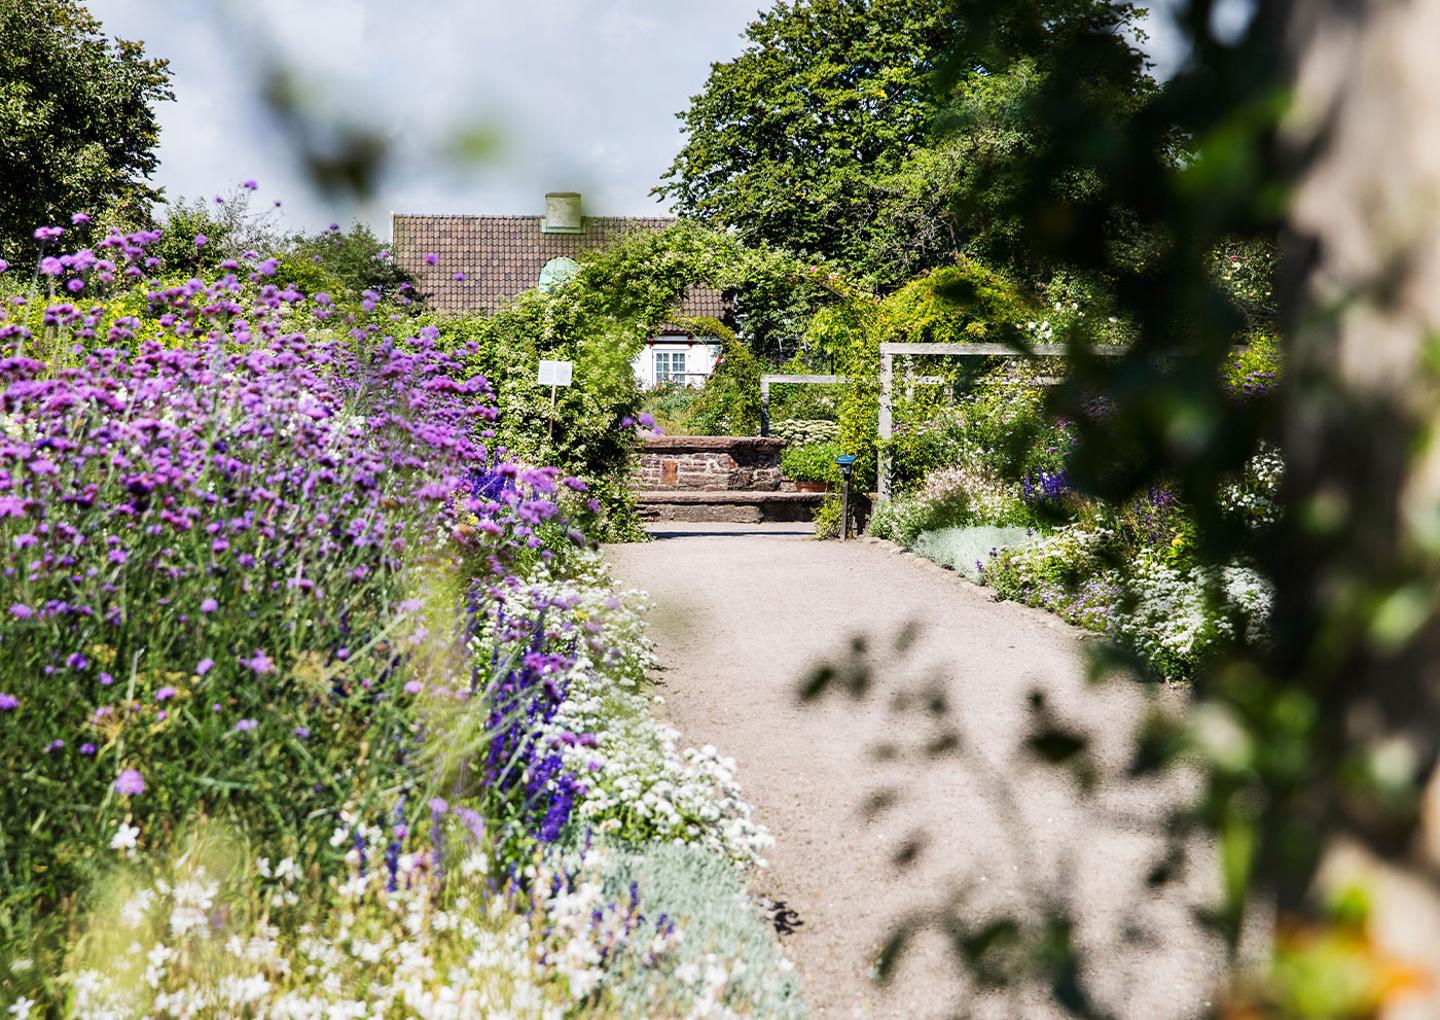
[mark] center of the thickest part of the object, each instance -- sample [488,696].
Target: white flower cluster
[968,493]
[986,498]
[464,954]
[1071,550]
[1174,616]
[1253,596]
[640,785]
[1256,497]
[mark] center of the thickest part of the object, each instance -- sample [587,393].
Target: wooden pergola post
[887,424]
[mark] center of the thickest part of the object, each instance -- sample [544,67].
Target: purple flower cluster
[519,767]
[1155,513]
[224,511]
[1045,488]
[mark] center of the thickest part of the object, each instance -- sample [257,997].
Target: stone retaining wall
[710,464]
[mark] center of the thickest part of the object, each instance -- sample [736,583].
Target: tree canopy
[77,118]
[783,139]
[884,135]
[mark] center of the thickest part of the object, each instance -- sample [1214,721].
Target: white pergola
[888,351]
[766,380]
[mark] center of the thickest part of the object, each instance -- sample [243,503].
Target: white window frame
[674,372]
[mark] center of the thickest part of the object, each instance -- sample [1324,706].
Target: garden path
[742,615]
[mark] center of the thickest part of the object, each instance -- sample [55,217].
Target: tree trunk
[1355,616]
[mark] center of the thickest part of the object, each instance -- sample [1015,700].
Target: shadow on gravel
[1022,954]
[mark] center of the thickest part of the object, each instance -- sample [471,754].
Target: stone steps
[738,507]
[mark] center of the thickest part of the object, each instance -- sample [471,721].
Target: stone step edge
[727,497]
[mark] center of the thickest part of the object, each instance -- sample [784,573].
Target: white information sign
[556,373]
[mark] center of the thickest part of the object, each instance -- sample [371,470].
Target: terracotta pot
[804,485]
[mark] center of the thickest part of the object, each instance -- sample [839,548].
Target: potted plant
[811,467]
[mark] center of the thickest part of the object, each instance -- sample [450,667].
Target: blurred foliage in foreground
[1315,750]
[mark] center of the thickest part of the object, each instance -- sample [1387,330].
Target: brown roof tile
[501,256]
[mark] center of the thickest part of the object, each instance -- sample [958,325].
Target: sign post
[845,460]
[555,374]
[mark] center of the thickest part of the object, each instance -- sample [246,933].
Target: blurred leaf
[475,143]
[946,743]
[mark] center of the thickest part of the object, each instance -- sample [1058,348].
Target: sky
[576,95]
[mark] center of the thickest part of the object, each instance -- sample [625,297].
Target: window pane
[669,366]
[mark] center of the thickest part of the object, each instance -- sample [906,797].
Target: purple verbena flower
[259,662]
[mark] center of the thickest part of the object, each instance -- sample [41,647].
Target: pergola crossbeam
[888,351]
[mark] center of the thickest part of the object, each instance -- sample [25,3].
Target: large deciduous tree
[878,132]
[77,123]
[785,139]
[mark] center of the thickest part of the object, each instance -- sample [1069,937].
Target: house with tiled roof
[485,262]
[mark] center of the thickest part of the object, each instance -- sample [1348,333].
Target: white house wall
[701,354]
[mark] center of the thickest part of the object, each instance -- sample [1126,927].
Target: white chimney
[562,213]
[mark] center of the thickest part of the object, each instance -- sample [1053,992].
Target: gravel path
[743,615]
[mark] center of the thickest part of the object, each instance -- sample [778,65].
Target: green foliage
[231,228]
[1244,269]
[642,278]
[964,494]
[1255,366]
[956,304]
[343,264]
[828,516]
[729,403]
[601,318]
[844,96]
[947,198]
[669,403]
[354,259]
[996,124]
[584,432]
[814,462]
[784,140]
[75,115]
[1066,572]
